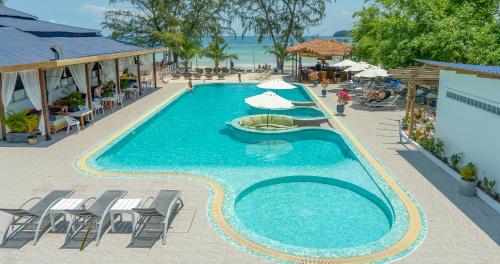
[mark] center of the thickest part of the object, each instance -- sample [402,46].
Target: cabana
[41,53]
[323,49]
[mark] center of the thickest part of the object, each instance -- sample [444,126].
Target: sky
[89,13]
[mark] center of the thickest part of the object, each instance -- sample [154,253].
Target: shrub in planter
[22,125]
[469,180]
[454,160]
[487,186]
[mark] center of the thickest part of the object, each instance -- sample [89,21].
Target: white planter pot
[468,188]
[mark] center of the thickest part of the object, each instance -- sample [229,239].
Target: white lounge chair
[163,205]
[387,103]
[33,217]
[121,99]
[97,213]
[72,123]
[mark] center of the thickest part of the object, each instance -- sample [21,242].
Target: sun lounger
[208,76]
[220,76]
[97,213]
[163,205]
[34,216]
[387,103]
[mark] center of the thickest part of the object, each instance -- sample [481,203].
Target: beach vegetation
[282,21]
[395,32]
[217,51]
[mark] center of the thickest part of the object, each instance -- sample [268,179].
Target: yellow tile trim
[411,236]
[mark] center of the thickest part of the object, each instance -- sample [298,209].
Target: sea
[251,53]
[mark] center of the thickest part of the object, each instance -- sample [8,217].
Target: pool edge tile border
[412,235]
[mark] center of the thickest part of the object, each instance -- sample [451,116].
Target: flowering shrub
[343,98]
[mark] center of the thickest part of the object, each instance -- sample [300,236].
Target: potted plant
[468,181]
[342,99]
[22,126]
[313,76]
[324,83]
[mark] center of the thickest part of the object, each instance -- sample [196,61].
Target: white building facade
[468,120]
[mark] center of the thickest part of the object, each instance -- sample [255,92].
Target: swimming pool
[307,193]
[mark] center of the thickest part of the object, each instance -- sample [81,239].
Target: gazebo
[41,53]
[319,48]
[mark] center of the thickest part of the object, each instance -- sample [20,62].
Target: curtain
[108,69]
[8,86]
[131,66]
[78,73]
[147,61]
[32,88]
[53,76]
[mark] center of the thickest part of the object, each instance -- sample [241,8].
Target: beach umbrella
[345,63]
[373,72]
[276,85]
[360,66]
[269,100]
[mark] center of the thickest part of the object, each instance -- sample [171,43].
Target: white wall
[466,128]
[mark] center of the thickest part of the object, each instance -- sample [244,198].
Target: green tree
[168,23]
[395,32]
[2,2]
[280,53]
[283,21]
[217,51]
[187,50]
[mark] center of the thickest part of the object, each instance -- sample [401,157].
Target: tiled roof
[5,11]
[18,47]
[465,67]
[24,40]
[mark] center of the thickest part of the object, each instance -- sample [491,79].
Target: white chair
[97,106]
[121,99]
[72,122]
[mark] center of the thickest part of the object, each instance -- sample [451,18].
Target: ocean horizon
[251,53]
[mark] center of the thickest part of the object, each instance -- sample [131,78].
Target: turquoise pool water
[305,192]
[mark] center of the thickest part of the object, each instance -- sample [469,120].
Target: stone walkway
[461,230]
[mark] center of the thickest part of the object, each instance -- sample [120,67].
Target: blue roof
[18,47]
[5,11]
[45,29]
[465,67]
[26,40]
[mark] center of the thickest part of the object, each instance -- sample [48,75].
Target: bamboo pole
[139,74]
[154,69]
[117,75]
[2,113]
[45,107]
[87,82]
[412,91]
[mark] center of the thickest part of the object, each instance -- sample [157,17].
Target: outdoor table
[109,101]
[81,115]
[131,90]
[61,207]
[124,206]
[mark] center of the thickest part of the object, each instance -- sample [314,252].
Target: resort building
[42,61]
[468,114]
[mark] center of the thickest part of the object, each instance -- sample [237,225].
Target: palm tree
[187,50]
[2,2]
[281,55]
[216,51]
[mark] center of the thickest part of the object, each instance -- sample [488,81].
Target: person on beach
[190,85]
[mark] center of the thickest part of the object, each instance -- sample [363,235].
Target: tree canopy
[395,32]
[150,22]
[283,21]
[217,51]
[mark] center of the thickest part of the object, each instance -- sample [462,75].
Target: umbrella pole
[267,125]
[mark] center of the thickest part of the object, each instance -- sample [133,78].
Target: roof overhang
[75,61]
[443,66]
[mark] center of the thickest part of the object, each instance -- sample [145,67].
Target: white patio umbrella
[269,100]
[345,63]
[276,85]
[360,66]
[373,72]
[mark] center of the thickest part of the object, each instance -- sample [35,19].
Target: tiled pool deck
[460,229]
